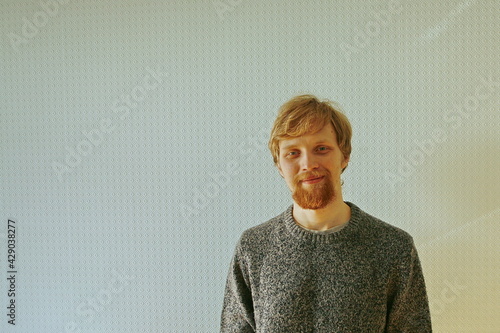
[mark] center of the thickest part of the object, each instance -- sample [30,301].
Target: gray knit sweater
[364,278]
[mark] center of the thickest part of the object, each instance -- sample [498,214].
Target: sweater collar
[299,232]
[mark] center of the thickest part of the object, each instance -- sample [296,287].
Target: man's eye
[322,148]
[292,153]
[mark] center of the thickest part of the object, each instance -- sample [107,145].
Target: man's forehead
[326,134]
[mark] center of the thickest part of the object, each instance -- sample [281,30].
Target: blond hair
[306,114]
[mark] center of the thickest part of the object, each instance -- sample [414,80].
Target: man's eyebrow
[320,142]
[291,145]
[323,142]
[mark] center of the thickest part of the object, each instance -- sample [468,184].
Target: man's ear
[345,162]
[279,169]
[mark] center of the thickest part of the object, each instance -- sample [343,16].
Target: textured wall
[133,148]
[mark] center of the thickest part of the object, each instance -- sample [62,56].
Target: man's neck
[334,214]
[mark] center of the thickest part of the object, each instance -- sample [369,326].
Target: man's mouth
[313,180]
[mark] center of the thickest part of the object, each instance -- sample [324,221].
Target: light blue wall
[133,147]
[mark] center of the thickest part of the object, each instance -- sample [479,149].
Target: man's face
[311,165]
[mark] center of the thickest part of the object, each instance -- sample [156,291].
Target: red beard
[313,196]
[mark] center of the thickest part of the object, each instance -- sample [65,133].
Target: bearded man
[323,265]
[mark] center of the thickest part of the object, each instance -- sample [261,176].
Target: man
[323,265]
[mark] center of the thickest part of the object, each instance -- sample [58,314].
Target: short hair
[306,114]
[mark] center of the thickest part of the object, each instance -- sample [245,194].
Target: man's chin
[311,203]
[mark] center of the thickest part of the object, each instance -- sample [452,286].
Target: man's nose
[308,162]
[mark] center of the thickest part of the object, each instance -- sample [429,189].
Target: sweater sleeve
[408,309]
[237,311]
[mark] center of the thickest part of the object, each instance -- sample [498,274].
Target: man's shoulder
[263,228]
[378,229]
[386,228]
[261,232]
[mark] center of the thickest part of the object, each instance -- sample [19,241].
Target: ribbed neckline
[304,234]
[336,228]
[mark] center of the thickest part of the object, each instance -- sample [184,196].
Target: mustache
[311,174]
